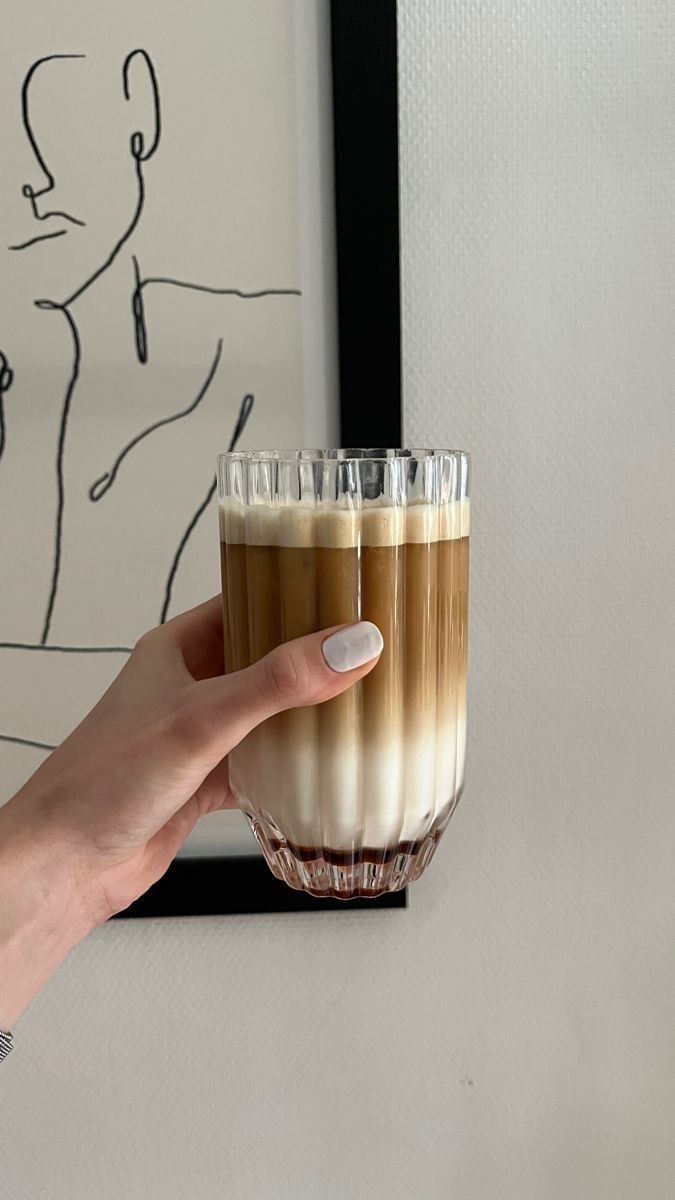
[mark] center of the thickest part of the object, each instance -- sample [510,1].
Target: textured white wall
[538,141]
[510,1037]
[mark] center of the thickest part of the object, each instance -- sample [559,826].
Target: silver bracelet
[5,1044]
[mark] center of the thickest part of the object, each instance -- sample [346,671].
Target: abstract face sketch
[161,372]
[85,207]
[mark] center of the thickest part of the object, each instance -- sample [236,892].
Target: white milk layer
[350,793]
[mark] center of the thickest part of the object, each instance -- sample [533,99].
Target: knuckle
[146,642]
[286,676]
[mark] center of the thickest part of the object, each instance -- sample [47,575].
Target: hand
[104,816]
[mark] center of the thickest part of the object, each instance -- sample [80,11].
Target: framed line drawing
[199,239]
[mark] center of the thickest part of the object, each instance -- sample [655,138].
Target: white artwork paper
[165,264]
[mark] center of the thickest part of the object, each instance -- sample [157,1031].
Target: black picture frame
[365,109]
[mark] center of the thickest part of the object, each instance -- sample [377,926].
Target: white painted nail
[352,647]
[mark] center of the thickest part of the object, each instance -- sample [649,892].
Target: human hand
[104,816]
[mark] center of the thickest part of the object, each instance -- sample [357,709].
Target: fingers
[309,670]
[198,634]
[313,669]
[215,793]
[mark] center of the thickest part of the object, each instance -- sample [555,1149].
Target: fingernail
[352,647]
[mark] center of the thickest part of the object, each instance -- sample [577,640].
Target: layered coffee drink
[350,797]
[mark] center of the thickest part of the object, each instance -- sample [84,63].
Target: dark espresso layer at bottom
[366,871]
[352,858]
[346,859]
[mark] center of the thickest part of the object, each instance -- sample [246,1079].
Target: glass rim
[350,454]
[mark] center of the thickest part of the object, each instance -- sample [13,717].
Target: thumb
[306,671]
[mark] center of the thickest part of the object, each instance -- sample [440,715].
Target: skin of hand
[104,816]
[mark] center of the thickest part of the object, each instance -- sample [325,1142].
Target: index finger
[198,634]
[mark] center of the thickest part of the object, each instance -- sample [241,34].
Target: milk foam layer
[336,526]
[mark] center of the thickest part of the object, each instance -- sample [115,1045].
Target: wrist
[42,913]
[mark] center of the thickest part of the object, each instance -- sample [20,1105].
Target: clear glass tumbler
[350,797]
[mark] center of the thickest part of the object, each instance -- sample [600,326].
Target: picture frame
[363,48]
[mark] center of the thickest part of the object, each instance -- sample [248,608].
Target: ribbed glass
[349,798]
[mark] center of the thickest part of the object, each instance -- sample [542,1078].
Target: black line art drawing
[242,420]
[100,487]
[27,190]
[6,378]
[46,204]
[40,237]
[19,741]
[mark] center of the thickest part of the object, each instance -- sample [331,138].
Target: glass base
[346,874]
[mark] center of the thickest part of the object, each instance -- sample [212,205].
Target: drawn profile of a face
[90,130]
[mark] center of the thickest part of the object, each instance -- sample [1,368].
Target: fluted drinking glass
[350,797]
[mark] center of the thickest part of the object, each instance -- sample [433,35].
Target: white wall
[510,1036]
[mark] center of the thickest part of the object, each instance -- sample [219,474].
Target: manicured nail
[352,647]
